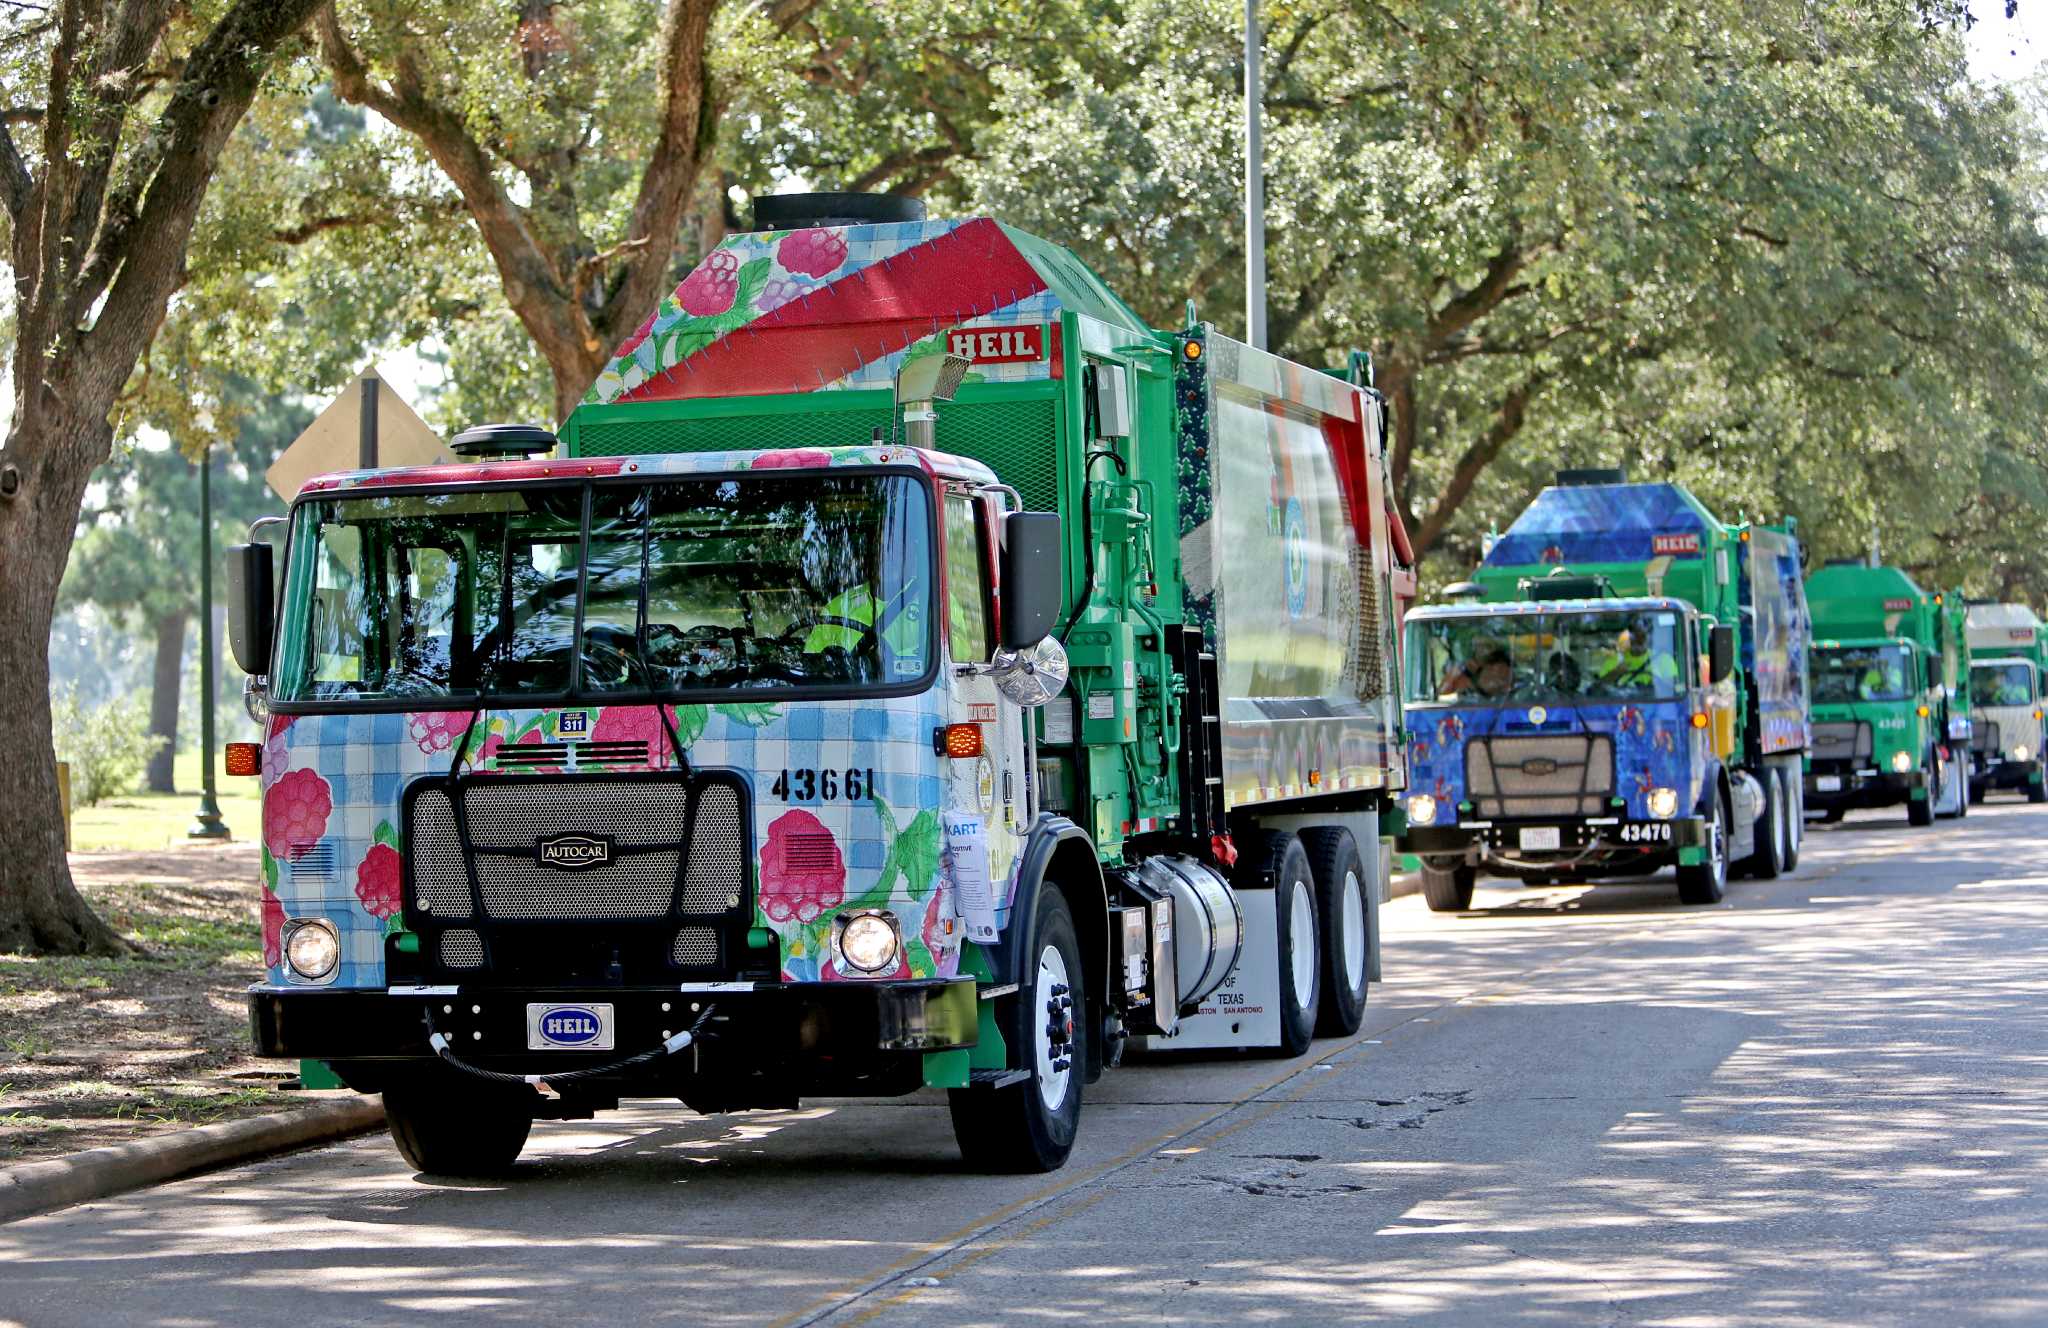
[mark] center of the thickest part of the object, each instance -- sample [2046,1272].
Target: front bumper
[1597,839]
[762,1022]
[1866,787]
[2002,773]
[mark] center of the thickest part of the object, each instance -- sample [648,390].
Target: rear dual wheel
[1341,883]
[1295,917]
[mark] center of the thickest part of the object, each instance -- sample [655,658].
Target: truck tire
[2036,792]
[1707,882]
[1448,889]
[1921,813]
[1795,818]
[1341,883]
[447,1130]
[1295,920]
[1030,1126]
[1768,860]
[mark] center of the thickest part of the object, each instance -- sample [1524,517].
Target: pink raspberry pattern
[814,253]
[802,870]
[793,458]
[273,930]
[377,880]
[778,292]
[628,724]
[437,731]
[712,288]
[277,752]
[295,813]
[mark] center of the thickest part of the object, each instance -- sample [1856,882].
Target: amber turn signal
[244,758]
[1922,712]
[1699,719]
[963,740]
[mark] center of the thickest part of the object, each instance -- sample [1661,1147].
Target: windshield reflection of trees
[1623,655]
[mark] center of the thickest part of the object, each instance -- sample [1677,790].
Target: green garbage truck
[907,668]
[1891,721]
[2008,657]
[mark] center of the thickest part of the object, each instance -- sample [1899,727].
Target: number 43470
[807,785]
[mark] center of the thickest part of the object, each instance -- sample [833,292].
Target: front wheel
[1707,882]
[1448,889]
[2037,791]
[1341,883]
[1030,1125]
[444,1129]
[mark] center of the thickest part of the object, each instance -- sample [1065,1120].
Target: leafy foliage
[107,745]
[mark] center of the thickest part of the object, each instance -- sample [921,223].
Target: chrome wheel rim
[1301,917]
[1055,1028]
[1351,906]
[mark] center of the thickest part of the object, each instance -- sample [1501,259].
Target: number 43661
[808,785]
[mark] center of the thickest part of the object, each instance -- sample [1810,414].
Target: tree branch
[16,186]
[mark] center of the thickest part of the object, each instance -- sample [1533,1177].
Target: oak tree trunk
[164,697]
[40,909]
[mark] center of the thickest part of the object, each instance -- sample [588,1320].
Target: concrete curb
[1404,883]
[38,1187]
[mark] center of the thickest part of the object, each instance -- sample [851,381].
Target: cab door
[987,788]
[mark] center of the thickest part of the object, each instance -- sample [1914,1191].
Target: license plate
[1540,836]
[1828,783]
[577,1027]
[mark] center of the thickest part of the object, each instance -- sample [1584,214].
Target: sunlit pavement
[1822,1102]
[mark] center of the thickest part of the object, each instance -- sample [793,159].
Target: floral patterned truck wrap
[906,670]
[1623,687]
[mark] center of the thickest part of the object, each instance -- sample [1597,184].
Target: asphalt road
[1823,1102]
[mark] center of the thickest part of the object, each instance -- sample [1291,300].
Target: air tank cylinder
[1208,926]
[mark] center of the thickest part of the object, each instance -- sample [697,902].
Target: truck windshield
[1626,655]
[758,583]
[2006,683]
[1862,673]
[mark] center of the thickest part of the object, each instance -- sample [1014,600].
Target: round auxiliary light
[868,942]
[1902,762]
[2021,752]
[1421,809]
[1192,349]
[1663,803]
[311,948]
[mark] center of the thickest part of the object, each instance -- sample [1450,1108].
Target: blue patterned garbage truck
[1622,687]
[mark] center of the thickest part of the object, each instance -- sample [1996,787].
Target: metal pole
[206,822]
[1254,186]
[366,429]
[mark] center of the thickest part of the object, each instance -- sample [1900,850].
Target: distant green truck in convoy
[2008,656]
[1890,723]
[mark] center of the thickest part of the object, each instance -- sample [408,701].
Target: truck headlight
[868,942]
[1421,809]
[1902,762]
[312,949]
[1663,803]
[2021,752]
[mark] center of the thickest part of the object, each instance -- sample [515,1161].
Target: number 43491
[806,785]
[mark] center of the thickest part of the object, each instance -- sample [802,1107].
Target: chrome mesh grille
[695,947]
[440,884]
[1566,774]
[1845,740]
[462,949]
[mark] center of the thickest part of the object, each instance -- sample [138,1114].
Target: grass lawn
[142,822]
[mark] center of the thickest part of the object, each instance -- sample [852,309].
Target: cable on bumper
[668,1047]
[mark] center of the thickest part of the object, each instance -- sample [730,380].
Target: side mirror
[1720,653]
[251,606]
[1032,571]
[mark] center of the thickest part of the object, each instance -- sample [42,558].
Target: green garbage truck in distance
[1891,722]
[2008,658]
[907,668]
[1621,688]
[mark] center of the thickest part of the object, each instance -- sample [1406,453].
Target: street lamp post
[1254,186]
[206,822]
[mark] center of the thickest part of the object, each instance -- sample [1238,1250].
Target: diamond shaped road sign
[334,441]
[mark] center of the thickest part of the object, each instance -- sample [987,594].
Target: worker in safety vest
[1634,662]
[1883,678]
[848,617]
